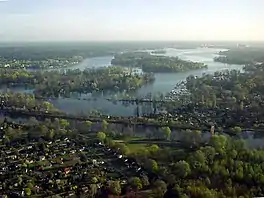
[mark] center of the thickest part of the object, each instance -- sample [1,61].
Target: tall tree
[135,183]
[182,169]
[159,188]
[101,136]
[104,126]
[114,187]
[167,132]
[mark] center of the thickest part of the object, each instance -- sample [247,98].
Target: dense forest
[226,99]
[241,56]
[153,63]
[223,168]
[54,83]
[59,55]
[58,62]
[43,52]
[25,101]
[229,89]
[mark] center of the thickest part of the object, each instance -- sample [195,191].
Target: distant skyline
[131,20]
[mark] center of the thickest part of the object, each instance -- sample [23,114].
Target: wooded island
[154,63]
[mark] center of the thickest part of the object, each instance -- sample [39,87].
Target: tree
[220,129]
[43,130]
[19,180]
[145,180]
[219,142]
[203,192]
[182,169]
[159,188]
[236,130]
[88,124]
[51,134]
[48,106]
[209,153]
[153,148]
[114,187]
[27,191]
[167,132]
[232,154]
[94,189]
[104,125]
[110,142]
[170,179]
[123,148]
[198,161]
[152,165]
[101,136]
[199,156]
[64,123]
[135,182]
[30,185]
[94,180]
[238,144]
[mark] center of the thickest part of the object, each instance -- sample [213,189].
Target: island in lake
[241,56]
[48,56]
[155,63]
[55,83]
[159,52]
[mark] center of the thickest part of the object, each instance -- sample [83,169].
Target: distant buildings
[242,45]
[207,45]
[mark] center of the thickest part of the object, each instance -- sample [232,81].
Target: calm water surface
[164,83]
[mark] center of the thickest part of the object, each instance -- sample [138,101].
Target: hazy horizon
[119,21]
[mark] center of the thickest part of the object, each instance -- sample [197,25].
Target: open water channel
[164,82]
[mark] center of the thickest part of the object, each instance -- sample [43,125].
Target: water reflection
[164,82]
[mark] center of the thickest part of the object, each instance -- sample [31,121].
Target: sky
[131,20]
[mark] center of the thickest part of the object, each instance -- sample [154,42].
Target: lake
[164,82]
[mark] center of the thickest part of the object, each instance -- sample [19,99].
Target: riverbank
[164,83]
[155,63]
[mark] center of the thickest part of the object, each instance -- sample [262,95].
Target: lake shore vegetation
[154,63]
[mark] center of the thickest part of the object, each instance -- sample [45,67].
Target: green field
[136,147]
